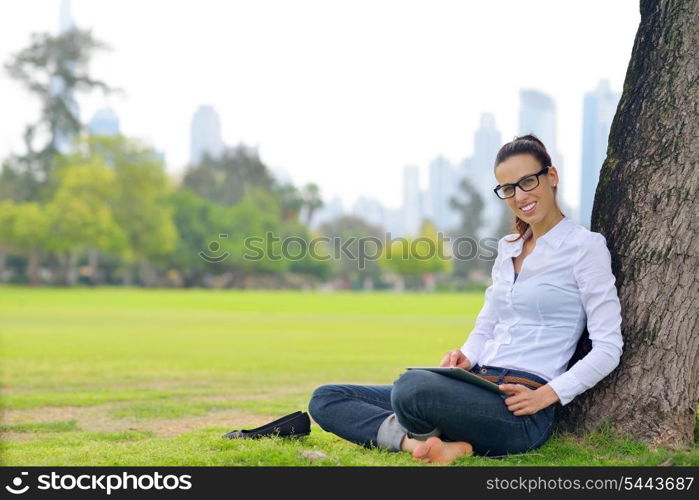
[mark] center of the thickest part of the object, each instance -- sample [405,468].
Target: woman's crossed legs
[435,417]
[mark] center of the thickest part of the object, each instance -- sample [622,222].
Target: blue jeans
[421,404]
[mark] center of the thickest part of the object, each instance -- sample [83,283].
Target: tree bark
[3,258]
[93,263]
[146,274]
[67,273]
[33,267]
[646,207]
[127,279]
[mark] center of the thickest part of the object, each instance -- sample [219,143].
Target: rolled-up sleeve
[487,317]
[593,273]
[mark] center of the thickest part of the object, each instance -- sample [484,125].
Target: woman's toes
[436,450]
[421,452]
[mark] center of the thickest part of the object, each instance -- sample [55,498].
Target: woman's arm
[485,322]
[593,273]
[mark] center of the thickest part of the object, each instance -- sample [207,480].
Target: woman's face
[540,201]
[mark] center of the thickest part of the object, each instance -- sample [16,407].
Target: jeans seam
[469,411]
[368,400]
[539,440]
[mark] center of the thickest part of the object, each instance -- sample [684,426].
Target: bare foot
[436,450]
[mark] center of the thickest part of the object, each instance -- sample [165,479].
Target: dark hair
[524,144]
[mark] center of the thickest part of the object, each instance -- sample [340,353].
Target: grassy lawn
[154,377]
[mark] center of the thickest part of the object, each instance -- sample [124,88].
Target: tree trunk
[127,279]
[189,278]
[67,273]
[646,207]
[93,263]
[33,267]
[3,258]
[146,274]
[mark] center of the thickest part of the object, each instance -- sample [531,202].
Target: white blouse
[534,323]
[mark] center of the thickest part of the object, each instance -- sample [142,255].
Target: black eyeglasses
[526,183]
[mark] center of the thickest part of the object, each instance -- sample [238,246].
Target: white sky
[342,93]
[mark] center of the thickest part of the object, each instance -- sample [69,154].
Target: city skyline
[205,135]
[537,114]
[371,108]
[599,107]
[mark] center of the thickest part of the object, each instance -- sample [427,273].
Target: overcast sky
[339,93]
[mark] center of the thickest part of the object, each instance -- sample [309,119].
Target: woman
[549,281]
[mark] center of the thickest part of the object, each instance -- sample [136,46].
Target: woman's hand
[456,358]
[526,401]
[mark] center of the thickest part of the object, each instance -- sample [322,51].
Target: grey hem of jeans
[391,434]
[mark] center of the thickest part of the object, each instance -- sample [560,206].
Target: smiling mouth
[528,209]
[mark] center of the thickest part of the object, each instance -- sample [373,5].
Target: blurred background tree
[416,260]
[94,209]
[24,229]
[139,188]
[346,266]
[469,204]
[52,68]
[226,179]
[80,215]
[312,200]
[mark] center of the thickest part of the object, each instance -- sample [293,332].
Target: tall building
[464,168]
[64,140]
[537,115]
[487,141]
[328,212]
[425,207]
[441,188]
[205,135]
[412,206]
[393,222]
[369,209]
[104,122]
[599,107]
[65,17]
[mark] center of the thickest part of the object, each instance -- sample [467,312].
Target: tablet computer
[461,374]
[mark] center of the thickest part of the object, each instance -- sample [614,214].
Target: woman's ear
[553,175]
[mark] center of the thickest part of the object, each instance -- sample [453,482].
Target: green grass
[154,377]
[37,427]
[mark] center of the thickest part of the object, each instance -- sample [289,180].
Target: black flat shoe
[295,424]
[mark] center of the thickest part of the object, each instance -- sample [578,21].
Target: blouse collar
[553,237]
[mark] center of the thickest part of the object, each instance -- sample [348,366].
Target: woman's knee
[408,390]
[320,398]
